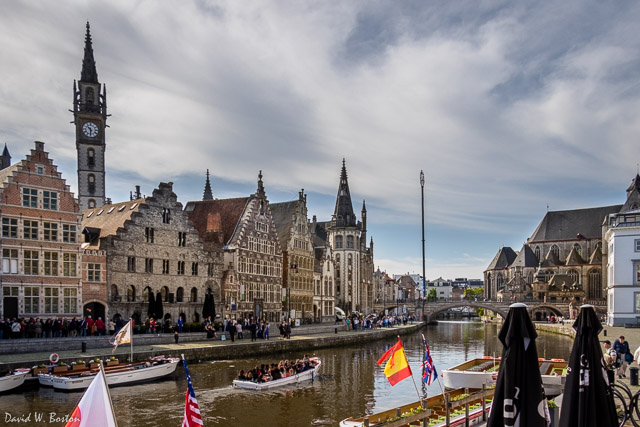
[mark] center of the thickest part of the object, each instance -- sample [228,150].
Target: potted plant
[79,365]
[112,361]
[94,363]
[39,369]
[60,367]
[554,411]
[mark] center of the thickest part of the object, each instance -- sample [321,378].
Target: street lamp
[424,283]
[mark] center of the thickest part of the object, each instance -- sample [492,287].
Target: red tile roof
[216,215]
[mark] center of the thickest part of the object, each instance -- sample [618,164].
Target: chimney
[138,195]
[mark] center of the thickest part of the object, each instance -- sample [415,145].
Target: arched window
[337,258]
[145,293]
[194,295]
[529,278]
[548,274]
[578,248]
[165,293]
[92,204]
[537,252]
[91,179]
[555,250]
[131,293]
[500,281]
[338,242]
[595,283]
[574,276]
[114,293]
[349,242]
[91,157]
[180,294]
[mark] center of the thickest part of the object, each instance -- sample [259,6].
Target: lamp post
[424,283]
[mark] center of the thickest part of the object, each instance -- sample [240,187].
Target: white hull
[114,378]
[307,375]
[475,419]
[12,381]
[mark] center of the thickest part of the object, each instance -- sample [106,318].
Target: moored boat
[308,375]
[435,411]
[484,371]
[152,369]
[13,379]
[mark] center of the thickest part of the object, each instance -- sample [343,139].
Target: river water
[350,383]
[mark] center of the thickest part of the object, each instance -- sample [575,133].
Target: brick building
[41,257]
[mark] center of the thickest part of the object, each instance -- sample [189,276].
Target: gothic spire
[260,185]
[208,195]
[89,73]
[343,213]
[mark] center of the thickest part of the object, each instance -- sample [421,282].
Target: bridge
[538,310]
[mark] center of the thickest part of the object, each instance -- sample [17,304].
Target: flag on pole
[429,369]
[122,337]
[397,367]
[191,410]
[94,409]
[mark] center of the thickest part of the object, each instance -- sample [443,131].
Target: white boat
[151,370]
[475,373]
[308,375]
[13,379]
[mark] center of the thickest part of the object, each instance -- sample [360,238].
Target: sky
[510,108]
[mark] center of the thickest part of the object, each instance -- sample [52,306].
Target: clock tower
[90,118]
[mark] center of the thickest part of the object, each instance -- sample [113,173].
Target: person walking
[252,329]
[621,347]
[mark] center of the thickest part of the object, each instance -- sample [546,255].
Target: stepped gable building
[151,247]
[252,257]
[292,226]
[353,260]
[562,261]
[90,119]
[324,269]
[40,241]
[621,259]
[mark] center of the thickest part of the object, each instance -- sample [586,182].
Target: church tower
[90,119]
[208,194]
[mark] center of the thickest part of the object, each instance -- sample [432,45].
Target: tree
[431,296]
[473,293]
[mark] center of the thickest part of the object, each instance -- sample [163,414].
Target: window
[50,231]
[194,295]
[93,272]
[165,266]
[636,267]
[91,181]
[68,233]
[338,242]
[9,261]
[573,275]
[182,238]
[50,200]
[148,265]
[131,264]
[131,293]
[636,243]
[181,267]
[51,300]
[39,170]
[578,248]
[349,242]
[50,263]
[10,291]
[595,284]
[31,263]
[148,234]
[10,228]
[194,268]
[166,216]
[92,204]
[30,229]
[210,267]
[180,294]
[70,300]
[29,197]
[555,250]
[91,157]
[31,299]
[69,265]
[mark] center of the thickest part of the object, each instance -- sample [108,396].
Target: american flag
[191,410]
[429,368]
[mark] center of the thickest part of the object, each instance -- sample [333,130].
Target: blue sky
[507,106]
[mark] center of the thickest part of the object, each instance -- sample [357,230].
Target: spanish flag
[397,367]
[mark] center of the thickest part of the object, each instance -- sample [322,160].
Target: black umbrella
[205,307]
[519,397]
[159,309]
[587,399]
[152,305]
[212,307]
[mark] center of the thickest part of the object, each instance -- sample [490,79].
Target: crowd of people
[272,372]
[361,323]
[258,329]
[17,328]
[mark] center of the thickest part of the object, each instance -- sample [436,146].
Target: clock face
[90,129]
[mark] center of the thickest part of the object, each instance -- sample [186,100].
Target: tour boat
[152,369]
[308,375]
[13,379]
[476,372]
[435,414]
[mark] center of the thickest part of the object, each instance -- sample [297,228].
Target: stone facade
[385,292]
[151,246]
[41,257]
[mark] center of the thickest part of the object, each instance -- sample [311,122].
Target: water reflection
[350,383]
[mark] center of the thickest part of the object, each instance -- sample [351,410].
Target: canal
[350,383]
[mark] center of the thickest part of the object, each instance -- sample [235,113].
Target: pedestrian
[621,347]
[231,328]
[266,330]
[180,323]
[252,329]
[176,337]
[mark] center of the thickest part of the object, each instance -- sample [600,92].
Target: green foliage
[432,295]
[472,293]
[480,311]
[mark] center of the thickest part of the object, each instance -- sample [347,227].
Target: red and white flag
[192,415]
[94,409]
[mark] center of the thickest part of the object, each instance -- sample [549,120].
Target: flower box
[113,362]
[57,369]
[94,366]
[78,367]
[37,371]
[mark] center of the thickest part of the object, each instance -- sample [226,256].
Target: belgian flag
[397,367]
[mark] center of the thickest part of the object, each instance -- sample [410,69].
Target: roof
[574,258]
[566,225]
[8,171]
[525,258]
[110,218]
[282,216]
[217,215]
[503,258]
[319,233]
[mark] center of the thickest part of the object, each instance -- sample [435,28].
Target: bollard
[604,332]
[84,347]
[633,376]
[336,330]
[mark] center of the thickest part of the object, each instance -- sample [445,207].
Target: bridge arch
[431,310]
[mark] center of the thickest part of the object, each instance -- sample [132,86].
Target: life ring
[557,360]
[53,358]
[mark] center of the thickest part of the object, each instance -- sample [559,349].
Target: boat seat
[544,367]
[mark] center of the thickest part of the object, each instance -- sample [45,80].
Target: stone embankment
[195,347]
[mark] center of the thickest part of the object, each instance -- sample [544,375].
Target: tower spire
[89,73]
[208,195]
[343,212]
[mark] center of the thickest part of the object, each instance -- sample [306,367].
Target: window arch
[145,293]
[500,281]
[114,293]
[555,250]
[180,294]
[529,278]
[91,157]
[595,283]
[91,181]
[131,293]
[164,292]
[578,248]
[537,252]
[194,295]
[574,276]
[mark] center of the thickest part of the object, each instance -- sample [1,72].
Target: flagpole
[104,376]
[412,379]
[437,376]
[131,340]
